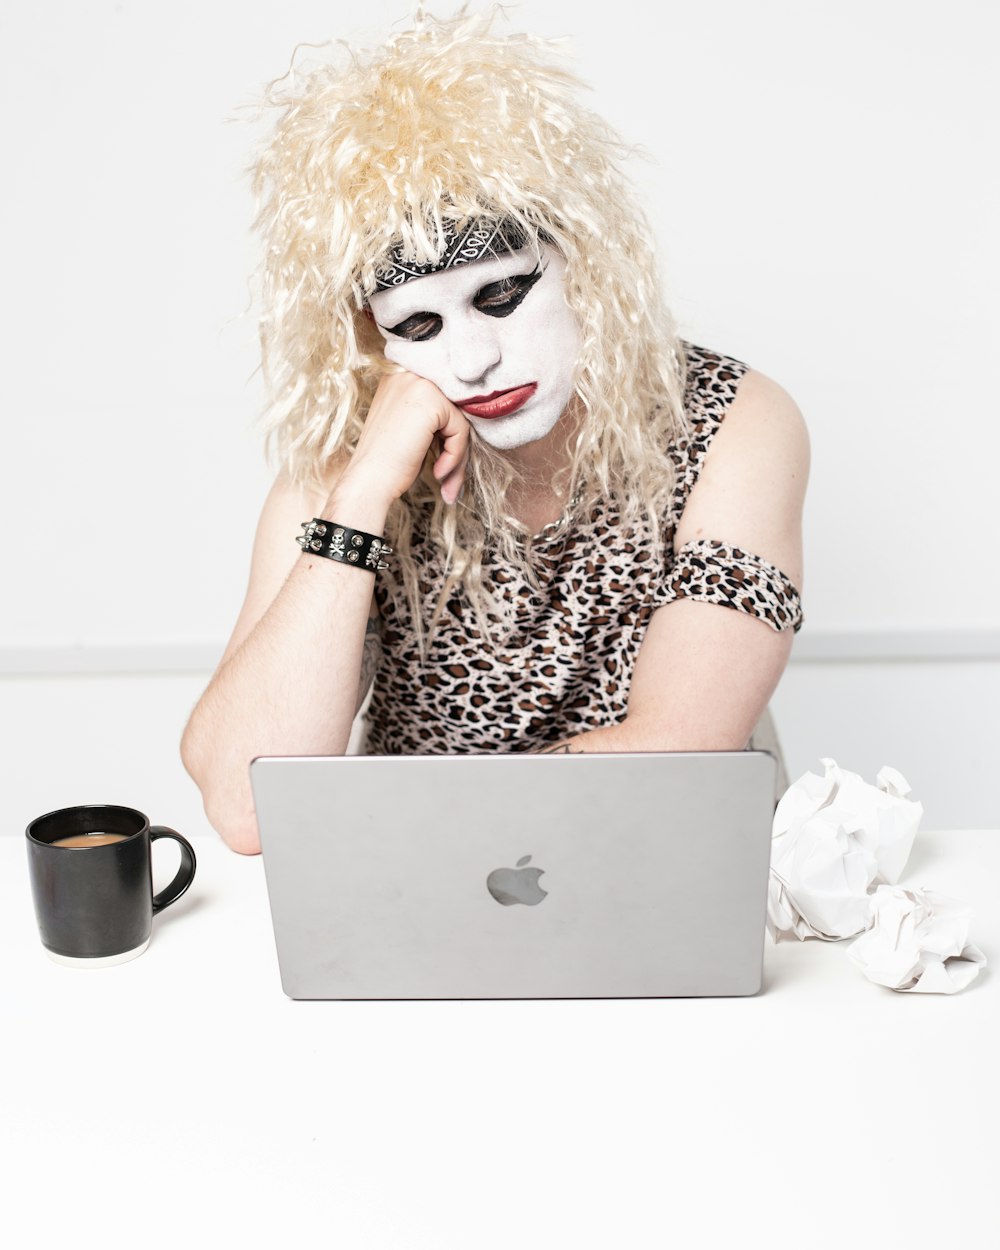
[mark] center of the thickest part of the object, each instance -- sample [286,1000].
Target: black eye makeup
[496,299]
[416,328]
[499,299]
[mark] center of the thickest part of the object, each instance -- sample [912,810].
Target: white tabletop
[182,1097]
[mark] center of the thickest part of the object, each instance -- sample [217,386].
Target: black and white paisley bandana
[476,240]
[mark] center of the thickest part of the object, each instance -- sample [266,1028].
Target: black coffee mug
[94,897]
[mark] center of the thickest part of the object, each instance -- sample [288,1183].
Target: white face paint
[497,331]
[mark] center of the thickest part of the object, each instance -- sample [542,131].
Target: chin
[517,430]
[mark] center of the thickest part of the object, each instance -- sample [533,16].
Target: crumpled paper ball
[918,943]
[834,838]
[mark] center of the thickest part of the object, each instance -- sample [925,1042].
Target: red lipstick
[500,403]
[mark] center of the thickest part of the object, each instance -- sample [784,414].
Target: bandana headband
[476,240]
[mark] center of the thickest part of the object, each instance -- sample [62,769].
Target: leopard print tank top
[568,663]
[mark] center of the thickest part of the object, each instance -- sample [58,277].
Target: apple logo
[516,885]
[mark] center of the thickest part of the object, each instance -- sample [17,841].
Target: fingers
[453,485]
[408,417]
[449,467]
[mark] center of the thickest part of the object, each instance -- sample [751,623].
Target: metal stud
[357,540]
[352,556]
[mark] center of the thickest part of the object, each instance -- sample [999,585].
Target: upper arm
[704,674]
[751,487]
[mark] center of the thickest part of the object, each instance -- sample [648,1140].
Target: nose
[473,349]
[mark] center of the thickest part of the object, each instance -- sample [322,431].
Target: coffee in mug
[97,909]
[90,839]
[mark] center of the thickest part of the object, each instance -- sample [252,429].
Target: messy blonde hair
[446,121]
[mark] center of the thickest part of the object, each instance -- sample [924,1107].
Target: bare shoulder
[763,417]
[752,484]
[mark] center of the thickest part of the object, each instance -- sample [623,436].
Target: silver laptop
[517,876]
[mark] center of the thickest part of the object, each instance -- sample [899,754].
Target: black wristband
[340,542]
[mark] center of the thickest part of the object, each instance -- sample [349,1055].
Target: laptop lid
[517,876]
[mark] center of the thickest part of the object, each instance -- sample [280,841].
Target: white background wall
[823,183]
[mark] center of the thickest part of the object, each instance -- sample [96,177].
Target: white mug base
[103,961]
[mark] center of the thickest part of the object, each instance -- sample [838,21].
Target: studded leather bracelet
[340,542]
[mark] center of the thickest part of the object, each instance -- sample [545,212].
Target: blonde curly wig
[450,120]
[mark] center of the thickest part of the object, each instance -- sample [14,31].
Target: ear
[369,314]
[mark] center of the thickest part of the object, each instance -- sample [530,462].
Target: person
[529,497]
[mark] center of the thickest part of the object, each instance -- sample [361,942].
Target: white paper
[918,942]
[835,838]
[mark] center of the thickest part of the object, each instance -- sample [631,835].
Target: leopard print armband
[714,572]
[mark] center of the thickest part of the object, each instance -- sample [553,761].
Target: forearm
[291,687]
[702,680]
[634,735]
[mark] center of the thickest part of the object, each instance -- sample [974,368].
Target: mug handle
[185,874]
